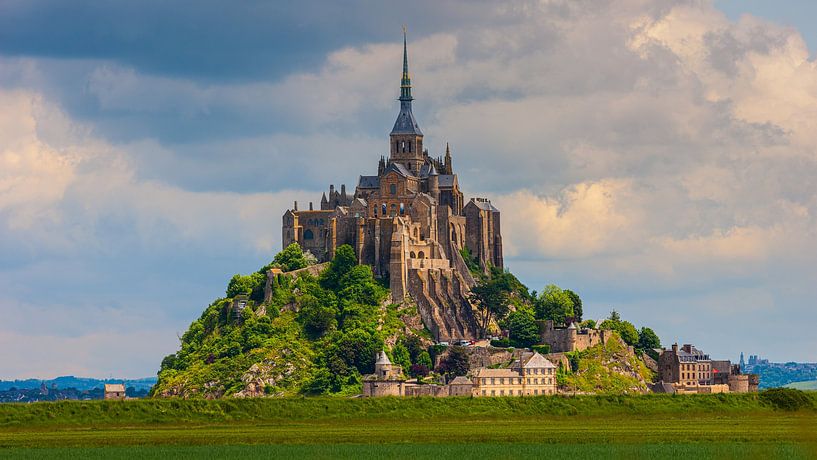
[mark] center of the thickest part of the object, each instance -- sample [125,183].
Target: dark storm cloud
[215,40]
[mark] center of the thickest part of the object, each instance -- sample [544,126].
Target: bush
[541,349]
[501,343]
[787,399]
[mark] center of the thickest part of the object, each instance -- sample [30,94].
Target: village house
[531,375]
[115,391]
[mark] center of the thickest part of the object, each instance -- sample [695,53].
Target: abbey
[410,223]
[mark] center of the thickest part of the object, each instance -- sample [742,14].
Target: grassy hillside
[609,368]
[315,335]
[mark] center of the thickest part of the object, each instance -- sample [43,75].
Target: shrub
[500,343]
[787,399]
[541,349]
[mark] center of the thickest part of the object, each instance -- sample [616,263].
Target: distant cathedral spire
[405,123]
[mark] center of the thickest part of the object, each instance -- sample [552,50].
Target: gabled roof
[482,204]
[537,361]
[114,387]
[399,169]
[461,380]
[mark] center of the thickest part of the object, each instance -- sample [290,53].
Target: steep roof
[461,380]
[445,180]
[369,182]
[382,358]
[399,169]
[485,205]
[537,361]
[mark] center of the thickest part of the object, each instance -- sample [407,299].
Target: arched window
[454,236]
[383,209]
[421,255]
[396,146]
[393,189]
[308,235]
[403,144]
[402,209]
[409,146]
[393,209]
[413,255]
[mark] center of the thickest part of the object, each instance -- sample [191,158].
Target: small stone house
[115,391]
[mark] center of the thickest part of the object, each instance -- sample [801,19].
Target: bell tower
[406,139]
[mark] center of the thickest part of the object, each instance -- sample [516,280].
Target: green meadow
[650,426]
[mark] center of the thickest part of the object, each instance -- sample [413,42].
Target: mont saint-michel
[411,224]
[514,229]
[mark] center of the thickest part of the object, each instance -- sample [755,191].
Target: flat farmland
[717,426]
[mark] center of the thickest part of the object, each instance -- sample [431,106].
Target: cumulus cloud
[654,156]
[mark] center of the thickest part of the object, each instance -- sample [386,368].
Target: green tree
[491,296]
[423,358]
[625,329]
[341,264]
[648,339]
[291,258]
[400,356]
[577,305]
[456,363]
[523,331]
[554,304]
[250,285]
[588,323]
[317,317]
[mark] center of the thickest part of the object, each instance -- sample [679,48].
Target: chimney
[310,206]
[343,190]
[675,348]
[296,206]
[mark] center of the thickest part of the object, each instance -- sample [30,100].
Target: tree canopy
[554,304]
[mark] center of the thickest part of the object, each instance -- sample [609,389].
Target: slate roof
[461,380]
[445,180]
[484,205]
[114,387]
[369,182]
[406,123]
[399,169]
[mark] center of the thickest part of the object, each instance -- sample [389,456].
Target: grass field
[810,385]
[654,426]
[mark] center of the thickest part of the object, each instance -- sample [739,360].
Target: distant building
[115,391]
[570,338]
[387,379]
[690,370]
[532,375]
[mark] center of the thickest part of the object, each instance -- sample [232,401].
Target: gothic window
[409,146]
[396,146]
[308,235]
[413,255]
[393,189]
[383,208]
[402,209]
[393,209]
[403,145]
[421,255]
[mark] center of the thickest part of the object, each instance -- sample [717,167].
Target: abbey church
[409,223]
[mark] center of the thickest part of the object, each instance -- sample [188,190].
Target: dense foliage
[316,334]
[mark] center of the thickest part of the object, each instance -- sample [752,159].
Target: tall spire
[405,123]
[405,82]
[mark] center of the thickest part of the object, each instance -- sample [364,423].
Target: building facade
[531,375]
[409,222]
[690,370]
[570,338]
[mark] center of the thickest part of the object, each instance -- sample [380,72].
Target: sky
[658,157]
